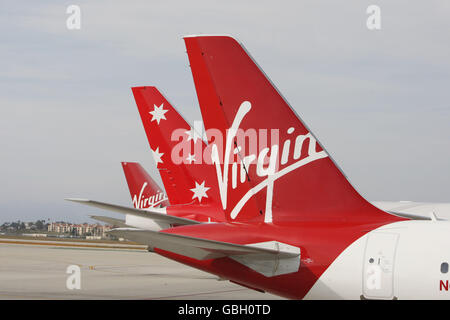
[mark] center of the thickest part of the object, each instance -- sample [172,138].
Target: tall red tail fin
[178,151]
[145,192]
[291,175]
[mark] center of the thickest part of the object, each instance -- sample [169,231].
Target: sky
[378,100]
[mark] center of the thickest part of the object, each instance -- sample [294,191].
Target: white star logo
[158,113]
[192,135]
[200,191]
[157,155]
[190,158]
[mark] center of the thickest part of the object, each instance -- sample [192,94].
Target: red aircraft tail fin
[178,151]
[145,192]
[291,175]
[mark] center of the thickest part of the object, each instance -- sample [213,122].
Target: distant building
[80,230]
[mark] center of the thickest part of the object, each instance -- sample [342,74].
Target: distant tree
[5,226]
[40,224]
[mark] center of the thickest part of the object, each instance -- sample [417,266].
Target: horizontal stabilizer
[112,221]
[269,258]
[411,216]
[416,210]
[154,213]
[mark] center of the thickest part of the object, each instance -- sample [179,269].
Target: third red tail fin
[145,192]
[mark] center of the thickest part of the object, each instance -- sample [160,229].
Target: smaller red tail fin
[145,192]
[178,151]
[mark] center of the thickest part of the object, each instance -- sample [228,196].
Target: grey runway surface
[39,272]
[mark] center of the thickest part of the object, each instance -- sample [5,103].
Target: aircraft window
[444,267]
[371,260]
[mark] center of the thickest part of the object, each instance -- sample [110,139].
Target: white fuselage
[402,260]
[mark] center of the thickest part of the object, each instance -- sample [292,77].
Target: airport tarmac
[30,271]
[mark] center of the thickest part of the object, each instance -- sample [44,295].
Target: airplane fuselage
[400,260]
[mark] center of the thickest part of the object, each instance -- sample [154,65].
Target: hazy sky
[379,101]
